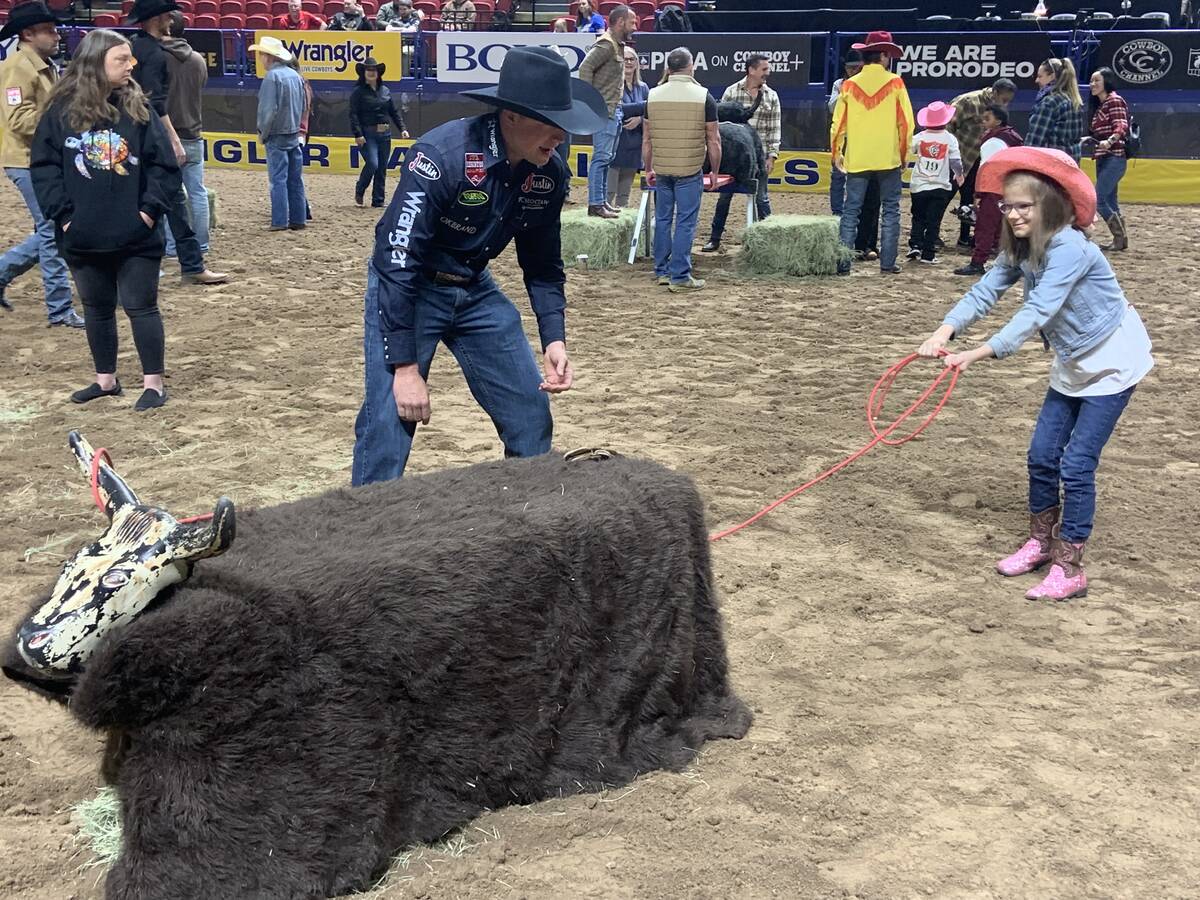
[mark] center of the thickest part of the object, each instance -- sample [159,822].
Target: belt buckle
[450,278]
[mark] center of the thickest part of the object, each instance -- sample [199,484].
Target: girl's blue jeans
[1066,445]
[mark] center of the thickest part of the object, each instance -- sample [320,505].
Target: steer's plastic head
[108,583]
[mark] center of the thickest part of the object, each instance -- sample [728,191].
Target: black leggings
[101,281]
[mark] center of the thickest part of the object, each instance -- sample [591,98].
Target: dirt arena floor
[921,729]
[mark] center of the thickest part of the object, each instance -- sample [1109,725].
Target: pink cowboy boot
[1066,578]
[1035,552]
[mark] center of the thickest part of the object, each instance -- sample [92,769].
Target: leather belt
[448,278]
[385,127]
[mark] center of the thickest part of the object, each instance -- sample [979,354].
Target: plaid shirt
[967,124]
[1111,121]
[767,120]
[1056,124]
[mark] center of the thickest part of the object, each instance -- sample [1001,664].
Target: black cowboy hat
[26,15]
[370,63]
[148,9]
[537,82]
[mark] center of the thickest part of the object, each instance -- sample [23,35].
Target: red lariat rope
[94,480]
[874,407]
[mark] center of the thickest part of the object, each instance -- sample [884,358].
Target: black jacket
[151,71]
[370,107]
[99,180]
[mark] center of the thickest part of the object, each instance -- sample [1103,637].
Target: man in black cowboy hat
[153,74]
[26,78]
[467,189]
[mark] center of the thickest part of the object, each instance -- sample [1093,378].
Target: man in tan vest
[681,128]
[26,78]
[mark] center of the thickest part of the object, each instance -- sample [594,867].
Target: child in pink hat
[937,167]
[1100,349]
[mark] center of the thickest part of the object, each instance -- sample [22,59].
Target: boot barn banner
[721,58]
[332,55]
[1174,181]
[958,62]
[475,57]
[1159,60]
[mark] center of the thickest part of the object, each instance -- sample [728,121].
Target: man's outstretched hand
[559,374]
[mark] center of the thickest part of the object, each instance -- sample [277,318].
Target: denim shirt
[1074,301]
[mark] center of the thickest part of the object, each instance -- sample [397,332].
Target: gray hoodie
[189,74]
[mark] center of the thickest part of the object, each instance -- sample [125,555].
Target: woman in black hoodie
[103,170]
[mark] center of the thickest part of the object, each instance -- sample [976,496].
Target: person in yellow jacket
[871,131]
[26,78]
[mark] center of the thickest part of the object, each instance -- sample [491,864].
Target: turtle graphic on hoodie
[103,150]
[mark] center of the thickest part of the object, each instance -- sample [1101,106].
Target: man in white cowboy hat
[280,111]
[26,79]
[153,74]
[467,189]
[870,135]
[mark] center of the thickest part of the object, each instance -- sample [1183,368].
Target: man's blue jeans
[837,190]
[676,199]
[762,207]
[285,175]
[483,330]
[38,247]
[1109,172]
[604,144]
[1066,445]
[376,149]
[197,196]
[889,197]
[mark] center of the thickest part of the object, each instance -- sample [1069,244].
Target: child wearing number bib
[1100,346]
[937,161]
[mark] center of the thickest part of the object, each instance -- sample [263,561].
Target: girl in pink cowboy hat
[1101,349]
[937,168]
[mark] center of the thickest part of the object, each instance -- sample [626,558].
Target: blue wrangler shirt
[457,206]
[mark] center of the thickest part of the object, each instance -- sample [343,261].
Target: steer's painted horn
[113,490]
[201,540]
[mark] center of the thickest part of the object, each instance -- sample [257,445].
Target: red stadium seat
[232,8]
[370,7]
[232,21]
[431,24]
[646,23]
[665,3]
[607,6]
[185,5]
[429,7]
[204,20]
[573,9]
[331,7]
[313,6]
[258,8]
[206,8]
[126,6]
[187,20]
[279,7]
[481,5]
[106,20]
[642,8]
[258,22]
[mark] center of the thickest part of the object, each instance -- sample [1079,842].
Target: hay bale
[604,241]
[100,826]
[792,245]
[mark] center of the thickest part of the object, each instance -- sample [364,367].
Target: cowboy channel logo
[1143,61]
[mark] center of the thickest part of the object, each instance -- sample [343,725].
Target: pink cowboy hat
[878,42]
[1052,164]
[936,115]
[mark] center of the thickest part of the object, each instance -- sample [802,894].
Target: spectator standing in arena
[280,110]
[398,15]
[997,135]
[587,19]
[298,19]
[604,69]
[105,173]
[1109,126]
[1057,117]
[468,189]
[968,128]
[627,161]
[26,79]
[189,75]
[152,72]
[938,168]
[372,113]
[351,18]
[872,128]
[767,121]
[681,118]
[458,16]
[837,178]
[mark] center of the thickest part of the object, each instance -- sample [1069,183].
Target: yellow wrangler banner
[331,55]
[1170,181]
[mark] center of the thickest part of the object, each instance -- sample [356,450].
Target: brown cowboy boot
[1035,552]
[1120,241]
[1066,578]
